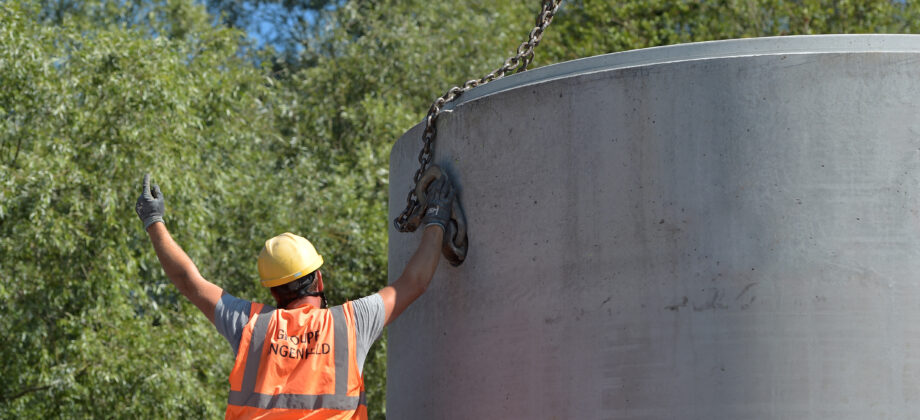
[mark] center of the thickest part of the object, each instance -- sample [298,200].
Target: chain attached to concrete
[455,240]
[410,218]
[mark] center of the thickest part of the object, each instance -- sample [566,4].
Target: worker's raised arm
[421,267]
[176,263]
[416,276]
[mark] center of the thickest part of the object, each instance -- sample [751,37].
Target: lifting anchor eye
[455,243]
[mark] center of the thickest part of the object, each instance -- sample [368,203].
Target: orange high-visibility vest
[297,364]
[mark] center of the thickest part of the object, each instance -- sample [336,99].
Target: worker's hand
[440,202]
[151,205]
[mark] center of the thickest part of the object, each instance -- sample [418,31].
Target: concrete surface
[676,233]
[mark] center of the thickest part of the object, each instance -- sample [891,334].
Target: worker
[299,358]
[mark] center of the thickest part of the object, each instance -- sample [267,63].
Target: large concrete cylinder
[724,230]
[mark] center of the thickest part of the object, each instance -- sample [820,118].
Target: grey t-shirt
[232,314]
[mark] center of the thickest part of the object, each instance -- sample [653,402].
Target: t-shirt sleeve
[369,319]
[230,317]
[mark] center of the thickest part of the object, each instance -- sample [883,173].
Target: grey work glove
[151,205]
[440,202]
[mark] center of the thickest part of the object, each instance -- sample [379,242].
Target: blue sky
[264,18]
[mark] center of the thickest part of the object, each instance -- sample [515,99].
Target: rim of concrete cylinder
[781,45]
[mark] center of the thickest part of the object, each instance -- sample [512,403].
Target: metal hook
[414,218]
[455,240]
[455,243]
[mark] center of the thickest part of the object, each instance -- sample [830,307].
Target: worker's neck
[314,301]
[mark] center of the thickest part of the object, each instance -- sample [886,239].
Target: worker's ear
[319,281]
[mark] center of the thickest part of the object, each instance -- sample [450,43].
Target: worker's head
[289,265]
[309,285]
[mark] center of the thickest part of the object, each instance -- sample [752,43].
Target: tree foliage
[591,27]
[247,143]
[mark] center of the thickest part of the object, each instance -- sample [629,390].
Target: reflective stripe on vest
[247,397]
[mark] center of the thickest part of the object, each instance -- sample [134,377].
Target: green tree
[93,328]
[247,144]
[590,27]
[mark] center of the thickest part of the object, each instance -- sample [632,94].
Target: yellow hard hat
[285,258]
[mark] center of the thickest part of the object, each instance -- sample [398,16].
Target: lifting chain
[409,219]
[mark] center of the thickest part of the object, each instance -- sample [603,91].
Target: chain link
[518,62]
